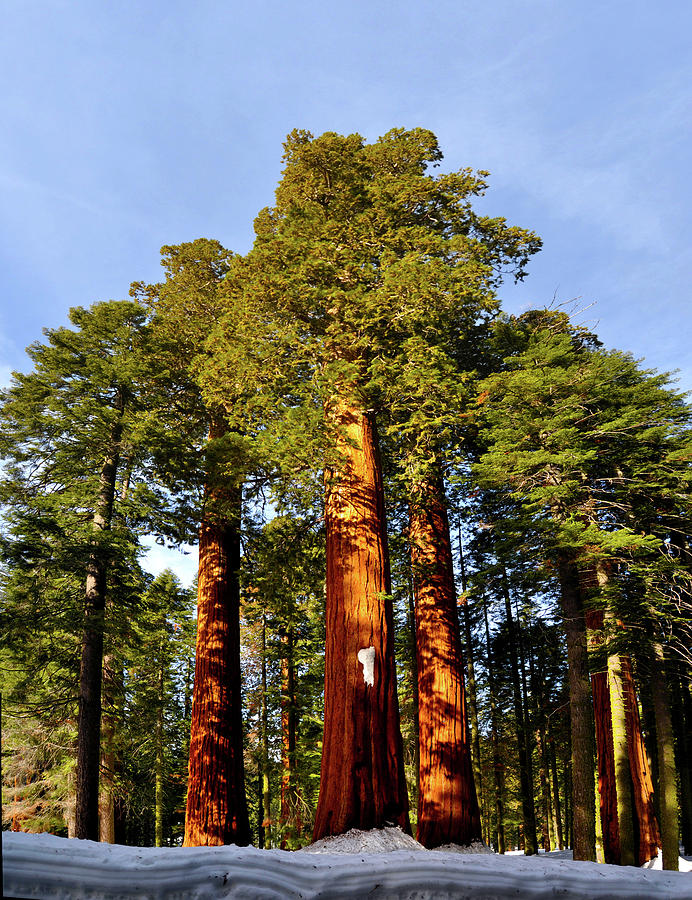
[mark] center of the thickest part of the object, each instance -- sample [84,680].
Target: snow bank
[44,866]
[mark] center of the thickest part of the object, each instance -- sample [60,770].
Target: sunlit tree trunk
[623,782]
[447,804]
[91,667]
[216,810]
[647,837]
[362,776]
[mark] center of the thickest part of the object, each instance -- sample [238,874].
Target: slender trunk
[266,791]
[158,801]
[448,810]
[363,782]
[471,683]
[557,811]
[525,766]
[112,709]
[581,712]
[498,767]
[289,715]
[216,810]
[107,768]
[91,668]
[546,805]
[670,834]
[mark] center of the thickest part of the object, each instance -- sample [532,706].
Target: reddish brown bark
[605,757]
[362,778]
[642,781]
[647,834]
[216,806]
[447,804]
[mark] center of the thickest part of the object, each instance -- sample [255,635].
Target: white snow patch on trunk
[366,657]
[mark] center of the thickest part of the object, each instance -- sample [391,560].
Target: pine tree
[65,425]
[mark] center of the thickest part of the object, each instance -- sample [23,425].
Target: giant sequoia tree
[367,262]
[186,306]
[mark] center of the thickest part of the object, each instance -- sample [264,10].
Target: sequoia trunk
[447,802]
[362,777]
[216,810]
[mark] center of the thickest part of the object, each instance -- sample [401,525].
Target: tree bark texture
[638,781]
[362,775]
[447,803]
[581,712]
[670,834]
[647,834]
[90,673]
[216,810]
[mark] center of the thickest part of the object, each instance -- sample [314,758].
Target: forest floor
[377,864]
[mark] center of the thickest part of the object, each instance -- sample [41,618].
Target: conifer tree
[186,306]
[64,428]
[361,247]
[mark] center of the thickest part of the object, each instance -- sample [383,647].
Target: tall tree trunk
[605,756]
[498,766]
[581,712]
[623,783]
[362,783]
[448,810]
[525,764]
[471,683]
[216,810]
[647,837]
[91,668]
[670,834]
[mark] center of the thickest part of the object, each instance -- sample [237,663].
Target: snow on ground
[387,864]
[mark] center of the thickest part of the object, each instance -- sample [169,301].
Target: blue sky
[128,125]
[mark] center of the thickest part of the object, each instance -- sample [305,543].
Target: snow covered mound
[43,867]
[377,840]
[475,847]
